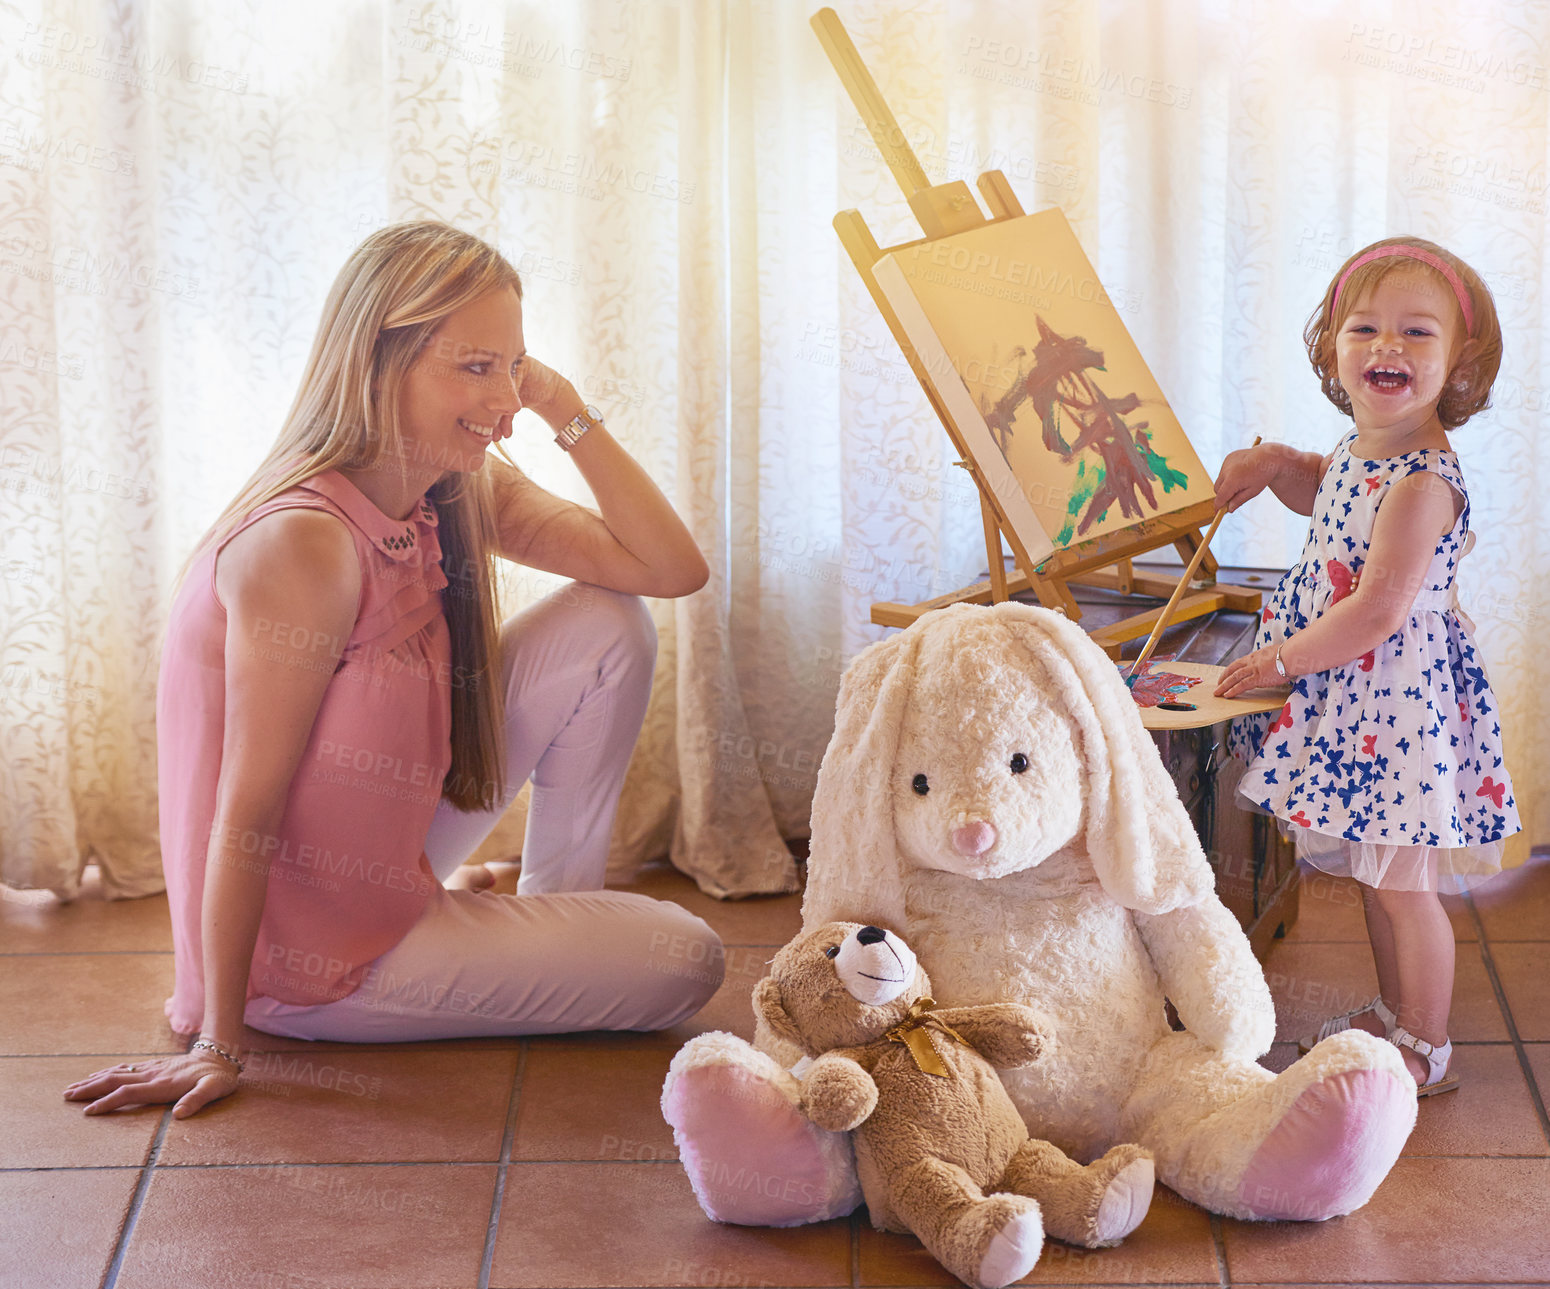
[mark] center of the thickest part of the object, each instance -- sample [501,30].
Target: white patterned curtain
[179,184]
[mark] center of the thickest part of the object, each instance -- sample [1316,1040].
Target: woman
[342,719]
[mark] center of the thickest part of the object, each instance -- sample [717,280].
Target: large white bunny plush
[991,795]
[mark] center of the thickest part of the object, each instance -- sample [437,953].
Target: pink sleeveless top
[348,875]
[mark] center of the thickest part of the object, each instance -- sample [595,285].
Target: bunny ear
[1140,840]
[853,864]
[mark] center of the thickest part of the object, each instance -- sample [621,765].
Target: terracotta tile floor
[545,1162]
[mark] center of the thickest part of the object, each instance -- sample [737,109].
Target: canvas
[1026,351]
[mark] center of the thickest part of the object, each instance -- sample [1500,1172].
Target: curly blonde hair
[1468,387]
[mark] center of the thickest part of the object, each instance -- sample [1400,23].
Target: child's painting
[1058,408]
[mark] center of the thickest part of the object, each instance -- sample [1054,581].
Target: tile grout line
[487,1258]
[294,1166]
[83,953]
[115,1264]
[1512,1027]
[1220,1249]
[855,1248]
[137,1202]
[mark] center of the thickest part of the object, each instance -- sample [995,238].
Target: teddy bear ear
[768,1005]
[1140,840]
[853,865]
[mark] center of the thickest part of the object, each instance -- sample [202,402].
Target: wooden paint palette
[1208,709]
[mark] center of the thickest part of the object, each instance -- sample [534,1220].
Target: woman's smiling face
[1396,348]
[463,390]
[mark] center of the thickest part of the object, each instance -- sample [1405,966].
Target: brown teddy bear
[940,1149]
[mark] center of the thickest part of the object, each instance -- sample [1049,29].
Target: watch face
[591,413]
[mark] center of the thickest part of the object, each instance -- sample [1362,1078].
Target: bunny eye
[920,785]
[1019,762]
[833,951]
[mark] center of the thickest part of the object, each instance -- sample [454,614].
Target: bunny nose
[974,839]
[870,935]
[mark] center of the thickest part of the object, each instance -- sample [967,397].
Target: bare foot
[471,877]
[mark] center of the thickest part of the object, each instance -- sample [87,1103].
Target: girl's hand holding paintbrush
[1235,461]
[1244,475]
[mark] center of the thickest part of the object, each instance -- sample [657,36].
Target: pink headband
[1414,253]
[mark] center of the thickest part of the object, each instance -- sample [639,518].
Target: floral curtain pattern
[178,186]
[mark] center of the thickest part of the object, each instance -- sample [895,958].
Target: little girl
[1386,762]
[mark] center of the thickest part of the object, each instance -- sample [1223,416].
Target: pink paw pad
[752,1157]
[1331,1149]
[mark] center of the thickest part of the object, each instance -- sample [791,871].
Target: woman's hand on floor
[193,1080]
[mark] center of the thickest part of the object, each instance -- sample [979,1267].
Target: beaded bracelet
[211,1046]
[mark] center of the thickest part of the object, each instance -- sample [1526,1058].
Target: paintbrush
[1178,593]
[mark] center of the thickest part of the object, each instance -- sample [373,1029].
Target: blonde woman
[342,718]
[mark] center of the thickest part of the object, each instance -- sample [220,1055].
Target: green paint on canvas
[1163,472]
[1083,487]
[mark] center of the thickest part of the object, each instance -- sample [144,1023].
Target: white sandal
[1338,1024]
[1437,1057]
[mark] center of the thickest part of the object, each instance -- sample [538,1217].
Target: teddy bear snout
[975,838]
[874,967]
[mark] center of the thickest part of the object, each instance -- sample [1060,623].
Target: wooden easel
[943,210]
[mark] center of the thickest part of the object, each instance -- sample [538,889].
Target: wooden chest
[1256,869]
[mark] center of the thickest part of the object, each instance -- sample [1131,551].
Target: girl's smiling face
[1396,349]
[461,393]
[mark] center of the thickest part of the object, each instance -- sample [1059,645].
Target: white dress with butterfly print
[1388,769]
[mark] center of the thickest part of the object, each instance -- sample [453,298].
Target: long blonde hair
[393,292]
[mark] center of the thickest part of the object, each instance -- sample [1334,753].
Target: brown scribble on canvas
[1057,384]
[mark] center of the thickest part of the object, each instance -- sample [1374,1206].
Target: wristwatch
[578,425]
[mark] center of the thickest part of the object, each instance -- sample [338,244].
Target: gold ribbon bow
[914,1031]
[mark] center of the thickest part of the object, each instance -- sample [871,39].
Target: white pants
[562,954]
